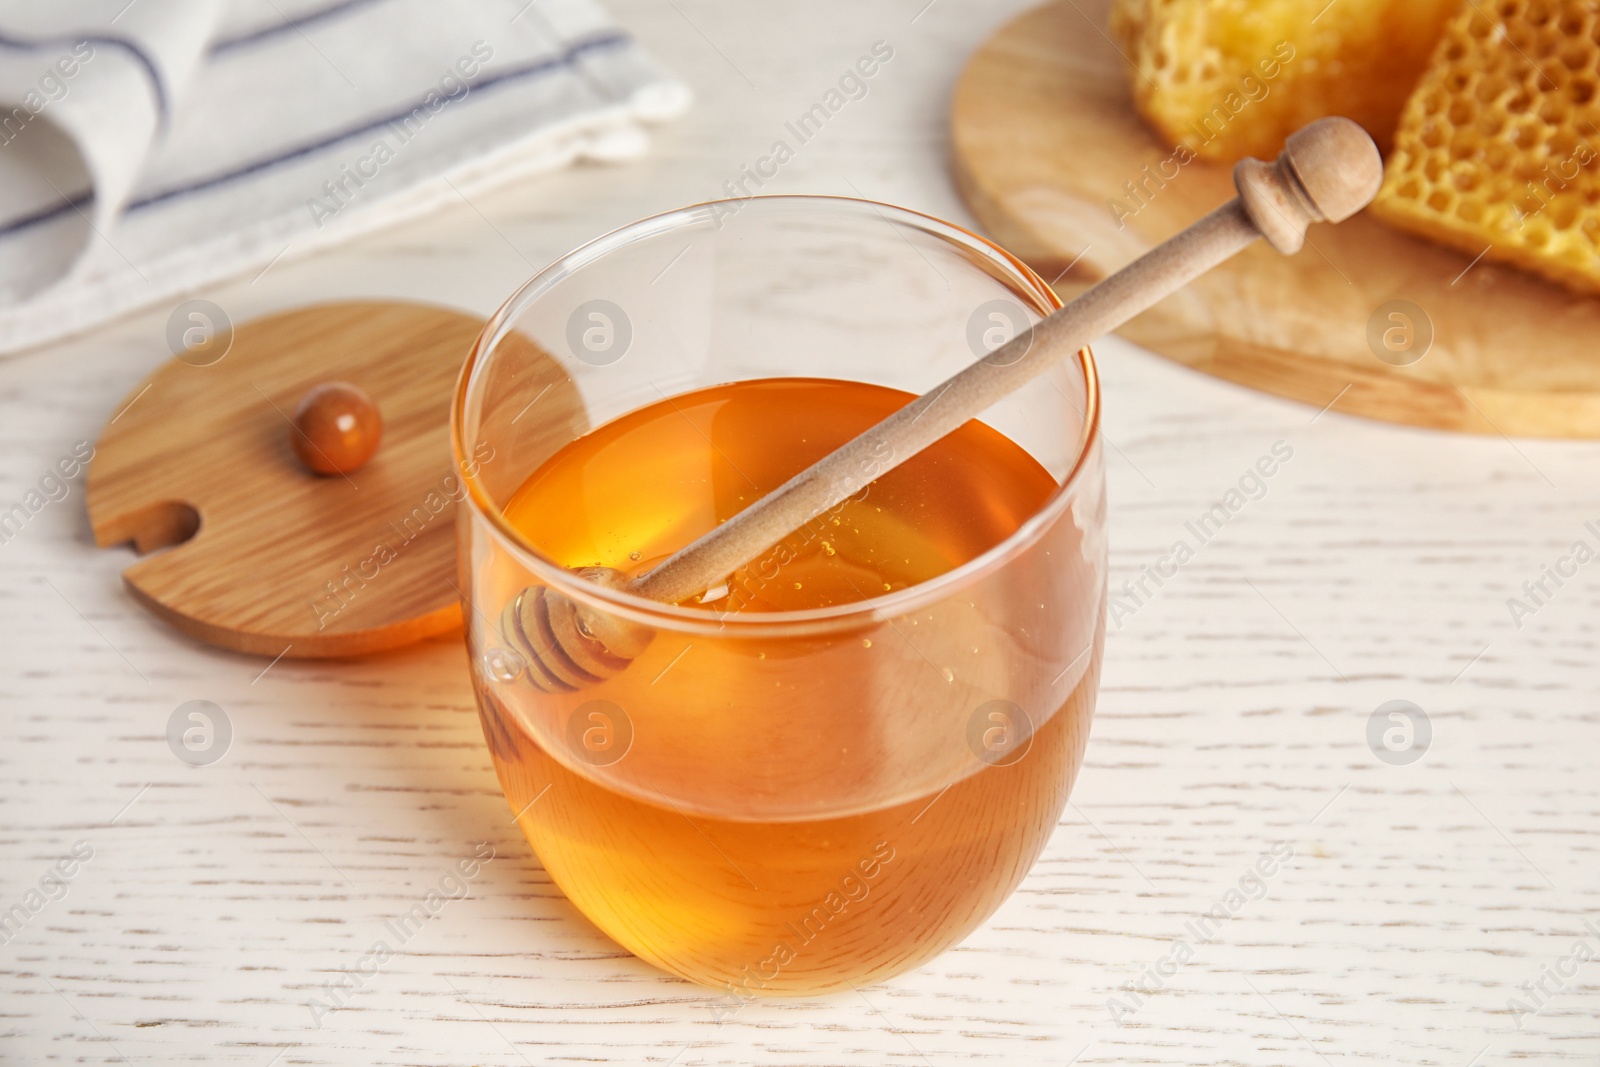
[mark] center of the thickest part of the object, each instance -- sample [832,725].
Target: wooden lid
[267,557]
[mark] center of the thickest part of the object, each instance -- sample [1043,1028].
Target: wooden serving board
[199,458]
[1045,137]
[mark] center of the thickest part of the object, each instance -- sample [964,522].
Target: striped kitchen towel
[149,147]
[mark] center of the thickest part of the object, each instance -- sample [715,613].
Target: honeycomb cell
[1553,77]
[1491,86]
[1500,190]
[1512,91]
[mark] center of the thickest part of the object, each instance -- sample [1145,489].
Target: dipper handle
[1328,171]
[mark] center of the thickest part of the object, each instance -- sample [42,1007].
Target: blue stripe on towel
[599,42]
[331,11]
[157,88]
[76,203]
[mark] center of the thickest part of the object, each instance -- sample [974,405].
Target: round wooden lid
[265,556]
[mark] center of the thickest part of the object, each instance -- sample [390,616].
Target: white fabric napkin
[150,147]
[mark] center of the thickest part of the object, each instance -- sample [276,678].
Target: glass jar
[790,801]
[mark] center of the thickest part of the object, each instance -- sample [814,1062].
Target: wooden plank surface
[219,899]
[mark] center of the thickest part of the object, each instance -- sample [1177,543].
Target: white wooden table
[1377,567]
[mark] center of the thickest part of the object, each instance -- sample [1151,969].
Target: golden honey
[794,813]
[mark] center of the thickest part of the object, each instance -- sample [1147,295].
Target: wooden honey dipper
[1328,171]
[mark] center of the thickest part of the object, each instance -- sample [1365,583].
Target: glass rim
[1018,276]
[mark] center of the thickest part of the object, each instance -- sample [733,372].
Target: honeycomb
[1497,149]
[1230,78]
